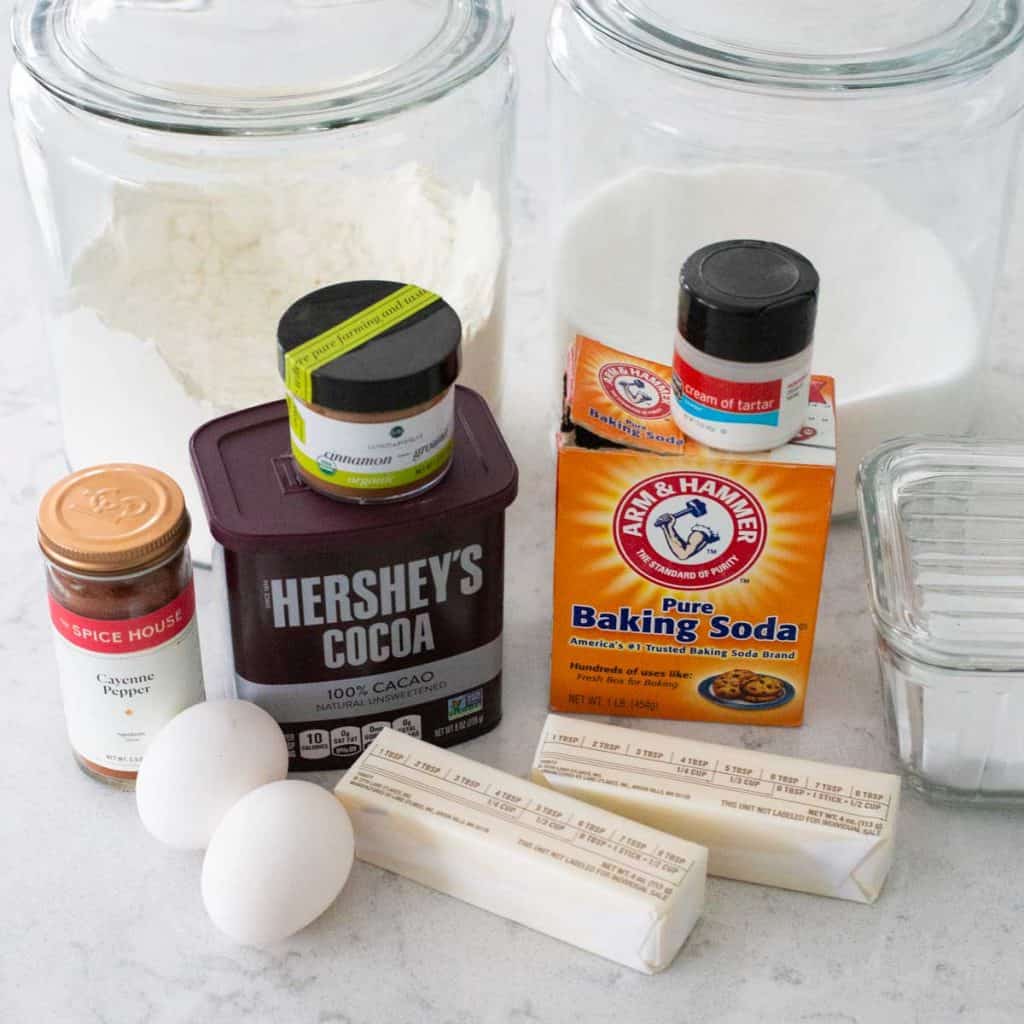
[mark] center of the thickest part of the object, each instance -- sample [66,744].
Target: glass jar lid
[255,66]
[943,527]
[813,45]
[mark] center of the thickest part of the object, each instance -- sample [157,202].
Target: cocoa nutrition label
[845,799]
[520,814]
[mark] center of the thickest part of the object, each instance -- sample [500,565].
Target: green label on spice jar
[374,481]
[301,362]
[373,456]
[295,420]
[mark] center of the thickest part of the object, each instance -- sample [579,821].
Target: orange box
[686,579]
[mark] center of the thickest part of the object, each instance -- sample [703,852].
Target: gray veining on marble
[100,924]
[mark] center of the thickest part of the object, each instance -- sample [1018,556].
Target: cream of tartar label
[123,680]
[713,408]
[373,456]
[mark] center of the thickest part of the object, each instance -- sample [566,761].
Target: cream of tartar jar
[369,370]
[742,368]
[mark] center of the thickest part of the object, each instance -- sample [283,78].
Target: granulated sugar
[175,304]
[897,327]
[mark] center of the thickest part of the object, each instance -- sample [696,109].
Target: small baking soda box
[686,579]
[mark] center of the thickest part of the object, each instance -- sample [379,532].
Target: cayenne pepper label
[126,636]
[124,679]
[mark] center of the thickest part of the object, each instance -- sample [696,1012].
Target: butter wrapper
[562,867]
[764,818]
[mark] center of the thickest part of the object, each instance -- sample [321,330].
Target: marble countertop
[100,924]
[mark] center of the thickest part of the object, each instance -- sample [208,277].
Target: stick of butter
[599,881]
[764,818]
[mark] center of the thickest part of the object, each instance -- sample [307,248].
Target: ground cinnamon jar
[369,370]
[122,604]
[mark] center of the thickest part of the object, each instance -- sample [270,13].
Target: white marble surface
[100,924]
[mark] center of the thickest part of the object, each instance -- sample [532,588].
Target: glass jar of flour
[876,138]
[195,165]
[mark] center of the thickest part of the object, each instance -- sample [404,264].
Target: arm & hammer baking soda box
[686,579]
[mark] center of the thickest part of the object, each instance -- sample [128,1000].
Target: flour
[896,324]
[175,303]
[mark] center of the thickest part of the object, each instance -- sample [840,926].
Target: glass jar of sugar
[742,369]
[187,192]
[877,138]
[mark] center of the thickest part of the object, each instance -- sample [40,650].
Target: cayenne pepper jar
[122,604]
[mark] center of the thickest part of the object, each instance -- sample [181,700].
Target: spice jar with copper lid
[122,603]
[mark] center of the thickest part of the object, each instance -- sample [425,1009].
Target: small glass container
[943,528]
[369,370]
[122,604]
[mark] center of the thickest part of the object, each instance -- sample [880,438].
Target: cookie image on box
[742,688]
[737,676]
[761,689]
[729,685]
[727,690]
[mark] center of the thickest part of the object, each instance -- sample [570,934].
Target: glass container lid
[943,527]
[833,44]
[255,66]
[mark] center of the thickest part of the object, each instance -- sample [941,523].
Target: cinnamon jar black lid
[369,346]
[255,498]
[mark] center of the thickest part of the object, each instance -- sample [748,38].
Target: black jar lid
[412,355]
[748,301]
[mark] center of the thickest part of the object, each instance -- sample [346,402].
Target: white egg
[201,763]
[277,861]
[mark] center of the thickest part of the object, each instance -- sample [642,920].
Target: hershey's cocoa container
[346,618]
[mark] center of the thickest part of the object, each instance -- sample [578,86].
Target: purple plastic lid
[255,497]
